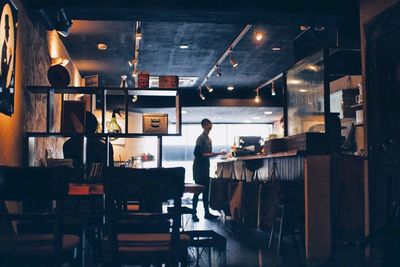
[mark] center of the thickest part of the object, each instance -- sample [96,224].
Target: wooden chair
[42,246]
[149,245]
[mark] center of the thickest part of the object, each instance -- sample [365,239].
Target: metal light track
[225,54]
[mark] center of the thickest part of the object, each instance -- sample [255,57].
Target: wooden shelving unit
[103,92]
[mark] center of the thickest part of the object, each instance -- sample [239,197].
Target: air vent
[183,81]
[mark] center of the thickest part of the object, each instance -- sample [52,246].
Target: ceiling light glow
[259,36]
[294,81]
[101,46]
[276,48]
[257,99]
[273,92]
[230,88]
[268,112]
[184,46]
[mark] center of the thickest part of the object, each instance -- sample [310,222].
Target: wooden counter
[313,170]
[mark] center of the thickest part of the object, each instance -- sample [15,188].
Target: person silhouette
[201,168]
[96,149]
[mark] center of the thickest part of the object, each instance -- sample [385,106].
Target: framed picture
[8,32]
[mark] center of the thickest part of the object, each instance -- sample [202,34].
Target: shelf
[359,124]
[103,135]
[108,90]
[358,106]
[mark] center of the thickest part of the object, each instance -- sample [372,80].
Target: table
[82,189]
[193,188]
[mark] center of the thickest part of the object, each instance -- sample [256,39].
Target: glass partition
[305,96]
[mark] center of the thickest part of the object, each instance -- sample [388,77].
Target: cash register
[247,145]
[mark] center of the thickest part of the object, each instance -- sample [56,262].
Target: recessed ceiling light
[267,112]
[259,36]
[303,90]
[101,46]
[230,88]
[184,46]
[276,48]
[256,118]
[184,111]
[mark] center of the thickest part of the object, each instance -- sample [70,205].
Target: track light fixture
[138,34]
[257,99]
[217,71]
[63,24]
[202,97]
[209,88]
[132,62]
[228,52]
[273,92]
[232,60]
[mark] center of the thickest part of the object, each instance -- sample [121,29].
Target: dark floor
[250,248]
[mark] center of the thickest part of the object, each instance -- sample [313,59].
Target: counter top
[255,157]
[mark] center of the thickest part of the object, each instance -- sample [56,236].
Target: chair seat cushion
[34,244]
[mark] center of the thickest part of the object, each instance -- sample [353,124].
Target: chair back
[36,185]
[33,183]
[149,187]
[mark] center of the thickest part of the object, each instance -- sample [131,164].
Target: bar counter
[309,169]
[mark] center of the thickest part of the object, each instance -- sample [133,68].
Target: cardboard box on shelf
[155,123]
[143,80]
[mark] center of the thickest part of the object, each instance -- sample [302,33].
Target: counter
[310,170]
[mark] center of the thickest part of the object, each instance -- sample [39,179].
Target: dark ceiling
[160,53]
[208,27]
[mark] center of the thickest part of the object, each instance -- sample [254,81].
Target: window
[178,150]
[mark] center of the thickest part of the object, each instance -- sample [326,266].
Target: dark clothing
[96,151]
[201,169]
[201,164]
[205,192]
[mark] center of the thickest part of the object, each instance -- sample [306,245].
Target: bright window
[178,150]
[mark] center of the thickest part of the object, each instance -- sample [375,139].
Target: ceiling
[209,28]
[160,53]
